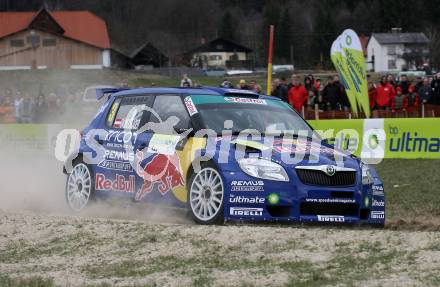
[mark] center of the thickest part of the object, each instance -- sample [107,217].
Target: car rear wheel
[205,196]
[79,187]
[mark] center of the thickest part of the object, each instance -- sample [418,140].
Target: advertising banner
[355,61]
[339,63]
[389,138]
[369,138]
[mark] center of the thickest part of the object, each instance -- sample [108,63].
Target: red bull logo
[119,184]
[163,170]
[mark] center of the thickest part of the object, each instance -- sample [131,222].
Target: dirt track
[77,251]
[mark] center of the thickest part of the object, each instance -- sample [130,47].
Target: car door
[115,174]
[160,167]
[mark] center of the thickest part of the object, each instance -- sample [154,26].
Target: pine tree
[283,37]
[227,29]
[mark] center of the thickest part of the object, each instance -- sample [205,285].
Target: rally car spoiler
[101,92]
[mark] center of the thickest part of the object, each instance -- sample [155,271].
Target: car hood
[290,152]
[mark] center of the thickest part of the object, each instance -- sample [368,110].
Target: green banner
[390,138]
[341,67]
[355,61]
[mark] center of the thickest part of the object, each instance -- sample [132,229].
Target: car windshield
[263,115]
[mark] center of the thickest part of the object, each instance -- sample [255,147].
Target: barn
[53,40]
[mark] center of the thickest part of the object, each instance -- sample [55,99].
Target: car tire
[206,195]
[80,187]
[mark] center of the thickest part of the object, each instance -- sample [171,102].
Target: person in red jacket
[297,95]
[399,102]
[385,92]
[413,100]
[372,95]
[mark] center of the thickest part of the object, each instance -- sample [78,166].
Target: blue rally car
[223,154]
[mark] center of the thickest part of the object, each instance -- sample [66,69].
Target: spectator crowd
[17,106]
[400,97]
[389,94]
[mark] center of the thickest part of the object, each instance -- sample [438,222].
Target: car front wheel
[205,196]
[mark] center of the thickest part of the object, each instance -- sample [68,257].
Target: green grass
[411,189]
[7,281]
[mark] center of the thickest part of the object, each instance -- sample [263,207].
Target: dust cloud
[31,177]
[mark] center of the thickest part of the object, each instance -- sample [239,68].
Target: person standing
[385,91]
[254,87]
[331,94]
[17,106]
[279,90]
[297,94]
[413,101]
[312,92]
[372,95]
[242,85]
[425,92]
[391,80]
[435,85]
[404,84]
[186,82]
[399,102]
[419,83]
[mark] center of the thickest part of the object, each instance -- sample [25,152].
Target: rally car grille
[317,177]
[312,208]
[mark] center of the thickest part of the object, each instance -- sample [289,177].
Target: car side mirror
[189,131]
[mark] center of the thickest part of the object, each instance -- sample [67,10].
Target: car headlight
[367,178]
[263,168]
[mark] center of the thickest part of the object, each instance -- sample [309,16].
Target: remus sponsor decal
[247,185]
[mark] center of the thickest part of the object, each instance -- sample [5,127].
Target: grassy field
[412,192]
[46,250]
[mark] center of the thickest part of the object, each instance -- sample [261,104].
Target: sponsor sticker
[118,184]
[117,124]
[245,100]
[192,110]
[378,215]
[112,114]
[244,199]
[115,165]
[331,218]
[378,190]
[247,185]
[245,211]
[163,144]
[331,200]
[378,203]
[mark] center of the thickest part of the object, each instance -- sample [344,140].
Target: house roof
[221,45]
[364,43]
[82,26]
[400,38]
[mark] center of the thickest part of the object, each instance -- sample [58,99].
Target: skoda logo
[330,170]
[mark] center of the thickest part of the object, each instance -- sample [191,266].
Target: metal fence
[424,111]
